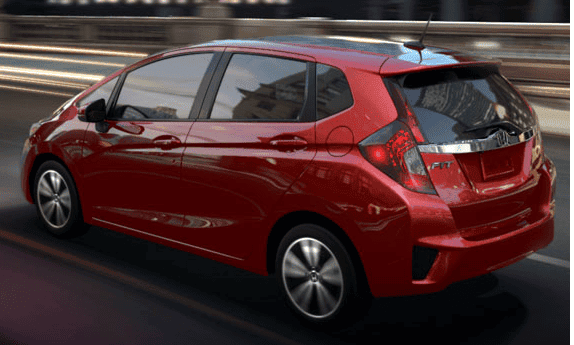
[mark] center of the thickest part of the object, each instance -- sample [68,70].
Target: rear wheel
[317,277]
[57,200]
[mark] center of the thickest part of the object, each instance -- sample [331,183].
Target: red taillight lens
[393,151]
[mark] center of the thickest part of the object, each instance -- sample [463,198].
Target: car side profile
[350,168]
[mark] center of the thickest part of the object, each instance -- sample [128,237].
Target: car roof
[379,55]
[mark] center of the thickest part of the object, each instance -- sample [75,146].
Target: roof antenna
[418,45]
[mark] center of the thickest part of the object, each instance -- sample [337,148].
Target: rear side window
[103,91]
[162,90]
[333,91]
[463,104]
[261,88]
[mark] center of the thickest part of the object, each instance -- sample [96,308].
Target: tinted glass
[465,103]
[333,91]
[103,91]
[261,88]
[162,90]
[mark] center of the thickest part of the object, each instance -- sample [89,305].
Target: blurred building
[557,11]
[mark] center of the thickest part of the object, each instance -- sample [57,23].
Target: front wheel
[57,200]
[317,277]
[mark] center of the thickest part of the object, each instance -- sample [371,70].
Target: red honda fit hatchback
[348,167]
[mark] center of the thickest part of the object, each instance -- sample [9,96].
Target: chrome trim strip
[499,139]
[167,239]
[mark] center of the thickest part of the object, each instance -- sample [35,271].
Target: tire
[57,201]
[322,288]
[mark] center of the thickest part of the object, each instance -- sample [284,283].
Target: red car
[349,167]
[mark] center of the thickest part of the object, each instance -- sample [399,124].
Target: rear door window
[258,87]
[463,104]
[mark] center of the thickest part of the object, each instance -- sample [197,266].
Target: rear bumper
[459,259]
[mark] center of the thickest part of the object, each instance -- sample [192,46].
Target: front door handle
[167,142]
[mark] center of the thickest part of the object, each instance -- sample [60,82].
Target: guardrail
[536,55]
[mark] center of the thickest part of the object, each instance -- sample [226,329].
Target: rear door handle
[288,142]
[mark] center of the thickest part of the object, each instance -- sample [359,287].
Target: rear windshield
[463,103]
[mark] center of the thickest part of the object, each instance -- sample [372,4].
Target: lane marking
[146,287]
[71,50]
[25,89]
[549,260]
[45,58]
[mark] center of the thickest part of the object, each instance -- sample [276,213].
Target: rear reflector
[423,259]
[393,150]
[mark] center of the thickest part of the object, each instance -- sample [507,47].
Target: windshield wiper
[506,125]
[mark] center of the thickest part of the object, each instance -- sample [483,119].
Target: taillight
[393,151]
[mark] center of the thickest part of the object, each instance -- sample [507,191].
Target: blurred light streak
[486,44]
[44,82]
[402,38]
[71,50]
[45,58]
[359,39]
[535,65]
[51,73]
[36,91]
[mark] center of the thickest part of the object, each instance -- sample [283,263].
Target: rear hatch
[480,145]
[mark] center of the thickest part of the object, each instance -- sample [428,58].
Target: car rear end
[466,139]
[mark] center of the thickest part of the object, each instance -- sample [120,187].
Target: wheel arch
[290,220]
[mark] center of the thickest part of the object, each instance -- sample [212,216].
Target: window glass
[464,104]
[103,91]
[162,90]
[261,87]
[333,91]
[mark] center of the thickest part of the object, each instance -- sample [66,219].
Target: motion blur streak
[53,59]
[535,65]
[71,50]
[144,286]
[36,91]
[43,81]
[550,260]
[51,73]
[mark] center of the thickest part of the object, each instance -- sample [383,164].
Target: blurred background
[556,11]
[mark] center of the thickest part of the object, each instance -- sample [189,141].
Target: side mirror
[96,111]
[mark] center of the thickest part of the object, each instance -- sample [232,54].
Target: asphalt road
[109,288]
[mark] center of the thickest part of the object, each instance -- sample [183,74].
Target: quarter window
[261,88]
[162,90]
[333,91]
[103,91]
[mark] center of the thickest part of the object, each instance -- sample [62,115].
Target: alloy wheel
[313,278]
[54,200]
